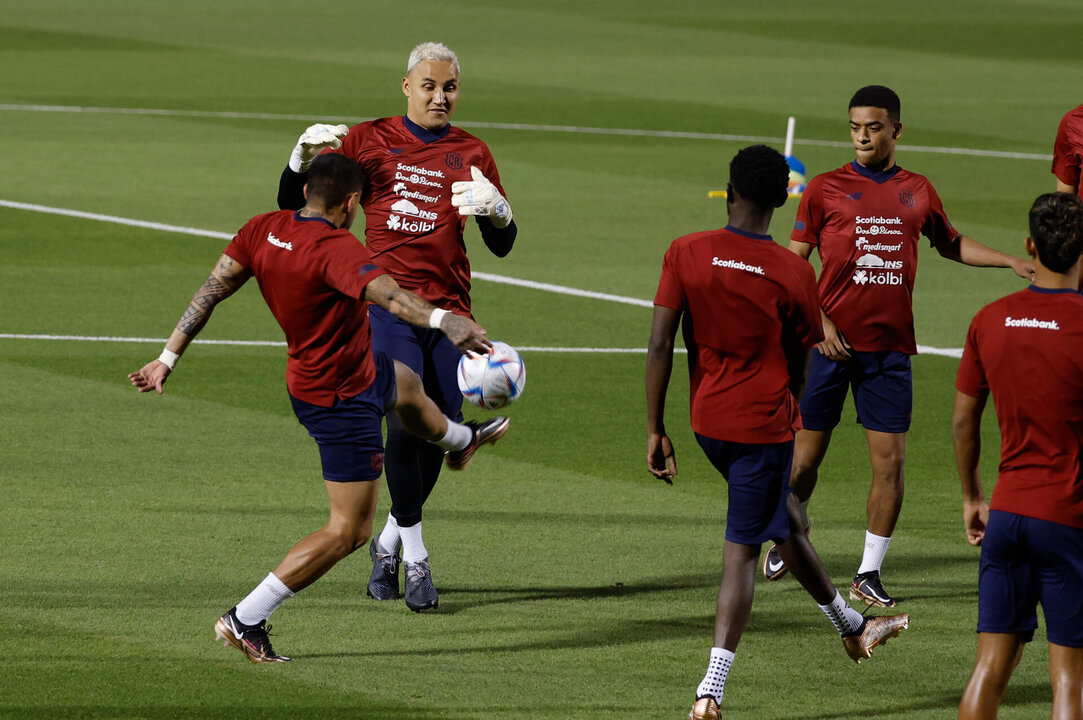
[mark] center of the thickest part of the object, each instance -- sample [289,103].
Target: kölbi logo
[394,222]
[863,277]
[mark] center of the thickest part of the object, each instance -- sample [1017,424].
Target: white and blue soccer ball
[494,380]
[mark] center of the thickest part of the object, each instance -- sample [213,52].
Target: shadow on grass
[1022,694]
[466,598]
[577,637]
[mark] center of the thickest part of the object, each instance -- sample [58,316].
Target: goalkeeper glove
[480,197]
[313,141]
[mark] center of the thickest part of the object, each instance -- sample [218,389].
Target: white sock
[845,619]
[263,601]
[875,550]
[413,547]
[389,537]
[457,437]
[714,682]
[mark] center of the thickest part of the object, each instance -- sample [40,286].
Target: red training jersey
[747,303]
[865,226]
[1068,149]
[312,276]
[411,227]
[1027,349]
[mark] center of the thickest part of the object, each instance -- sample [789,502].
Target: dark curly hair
[1056,226]
[331,177]
[760,174]
[880,97]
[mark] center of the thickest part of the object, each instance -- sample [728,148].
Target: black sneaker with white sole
[420,592]
[384,580]
[252,640]
[867,588]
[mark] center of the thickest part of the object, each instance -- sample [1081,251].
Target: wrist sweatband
[436,317]
[169,359]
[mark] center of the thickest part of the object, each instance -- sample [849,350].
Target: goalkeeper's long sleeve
[291,190]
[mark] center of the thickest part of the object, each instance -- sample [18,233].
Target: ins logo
[453,160]
[907,198]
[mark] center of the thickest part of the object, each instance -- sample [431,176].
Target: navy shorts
[1026,561]
[882,384]
[427,352]
[350,433]
[759,483]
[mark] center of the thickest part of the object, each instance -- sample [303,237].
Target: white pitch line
[527,127]
[282,343]
[501,279]
[114,219]
[922,349]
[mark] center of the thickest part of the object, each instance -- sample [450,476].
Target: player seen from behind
[749,313]
[318,281]
[1026,350]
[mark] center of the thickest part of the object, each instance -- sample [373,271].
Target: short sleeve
[805,316]
[936,226]
[1066,157]
[670,288]
[971,379]
[810,214]
[347,264]
[240,247]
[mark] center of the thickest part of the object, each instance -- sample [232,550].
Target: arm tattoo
[227,277]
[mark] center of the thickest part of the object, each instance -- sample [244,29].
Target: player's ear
[1030,247]
[406,86]
[304,191]
[896,131]
[729,193]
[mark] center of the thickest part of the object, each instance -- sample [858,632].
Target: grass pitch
[573,584]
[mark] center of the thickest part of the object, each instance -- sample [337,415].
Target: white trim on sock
[389,536]
[875,550]
[263,600]
[457,437]
[413,547]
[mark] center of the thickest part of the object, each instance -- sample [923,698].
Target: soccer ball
[494,380]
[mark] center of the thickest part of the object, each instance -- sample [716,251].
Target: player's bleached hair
[432,51]
[1056,226]
[760,174]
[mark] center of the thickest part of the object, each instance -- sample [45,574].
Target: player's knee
[346,538]
[407,385]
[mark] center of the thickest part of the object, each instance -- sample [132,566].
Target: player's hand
[1023,268]
[313,142]
[661,460]
[975,519]
[467,335]
[151,377]
[480,197]
[835,346]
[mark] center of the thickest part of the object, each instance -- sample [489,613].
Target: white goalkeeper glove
[313,141]
[480,197]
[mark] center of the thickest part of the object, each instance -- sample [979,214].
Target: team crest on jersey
[453,160]
[907,198]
